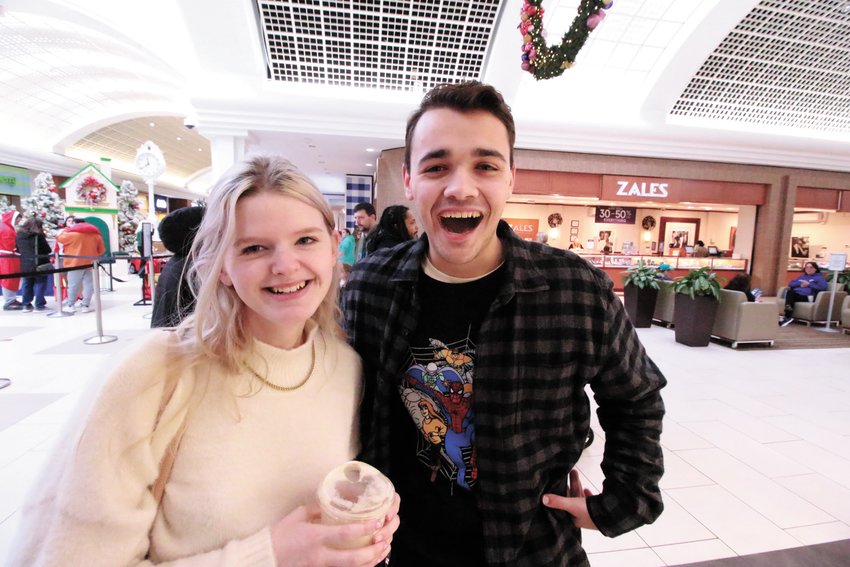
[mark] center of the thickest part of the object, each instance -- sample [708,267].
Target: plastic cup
[355,492]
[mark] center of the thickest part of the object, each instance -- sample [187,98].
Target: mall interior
[722,121]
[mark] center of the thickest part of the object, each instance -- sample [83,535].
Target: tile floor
[757,443]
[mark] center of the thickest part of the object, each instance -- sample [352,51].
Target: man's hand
[574,503]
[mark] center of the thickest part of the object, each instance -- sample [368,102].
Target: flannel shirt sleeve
[627,391]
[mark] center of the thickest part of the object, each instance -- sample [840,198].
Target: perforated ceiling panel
[787,64]
[377,43]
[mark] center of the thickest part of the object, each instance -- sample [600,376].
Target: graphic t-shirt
[433,427]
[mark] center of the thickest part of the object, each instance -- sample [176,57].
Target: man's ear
[408,192]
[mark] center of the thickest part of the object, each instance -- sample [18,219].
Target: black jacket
[34,250]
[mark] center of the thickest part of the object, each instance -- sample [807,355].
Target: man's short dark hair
[463,97]
[368,207]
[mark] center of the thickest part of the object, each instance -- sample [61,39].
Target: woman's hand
[575,504]
[299,540]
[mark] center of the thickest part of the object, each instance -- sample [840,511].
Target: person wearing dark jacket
[806,285]
[34,250]
[397,225]
[174,299]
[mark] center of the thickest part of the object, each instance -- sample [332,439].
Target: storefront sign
[14,181]
[616,215]
[524,228]
[616,188]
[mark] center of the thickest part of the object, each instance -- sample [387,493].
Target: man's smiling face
[459,180]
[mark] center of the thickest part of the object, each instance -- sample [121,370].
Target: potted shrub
[697,297]
[843,278]
[640,287]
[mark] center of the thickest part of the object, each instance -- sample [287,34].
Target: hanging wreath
[91,191]
[555,220]
[648,223]
[548,61]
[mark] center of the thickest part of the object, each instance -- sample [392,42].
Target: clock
[149,161]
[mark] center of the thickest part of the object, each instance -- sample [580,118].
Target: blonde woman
[253,398]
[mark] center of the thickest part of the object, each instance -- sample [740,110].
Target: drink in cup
[355,492]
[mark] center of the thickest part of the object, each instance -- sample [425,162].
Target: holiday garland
[548,61]
[91,191]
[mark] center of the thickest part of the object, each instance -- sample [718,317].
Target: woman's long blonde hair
[216,329]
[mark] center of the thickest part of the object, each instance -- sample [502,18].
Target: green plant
[843,277]
[699,282]
[642,276]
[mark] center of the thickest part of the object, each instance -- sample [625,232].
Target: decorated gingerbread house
[90,194]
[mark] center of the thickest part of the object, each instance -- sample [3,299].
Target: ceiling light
[368,165]
[179,138]
[152,124]
[370,149]
[200,149]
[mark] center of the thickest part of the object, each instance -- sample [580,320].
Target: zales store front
[616,221]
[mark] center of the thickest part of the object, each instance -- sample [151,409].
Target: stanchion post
[100,338]
[57,292]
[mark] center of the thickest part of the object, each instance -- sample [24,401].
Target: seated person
[807,285]
[700,251]
[663,268]
[741,282]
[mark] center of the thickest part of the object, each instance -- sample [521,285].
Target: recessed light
[200,149]
[368,165]
[179,138]
[370,149]
[152,124]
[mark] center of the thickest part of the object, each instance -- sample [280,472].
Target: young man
[366,218]
[477,347]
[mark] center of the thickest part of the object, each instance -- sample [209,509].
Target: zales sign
[619,188]
[644,189]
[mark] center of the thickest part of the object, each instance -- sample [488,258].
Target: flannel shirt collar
[525,275]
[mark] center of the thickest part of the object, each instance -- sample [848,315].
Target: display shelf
[615,261]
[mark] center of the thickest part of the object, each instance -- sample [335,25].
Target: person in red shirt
[9,263]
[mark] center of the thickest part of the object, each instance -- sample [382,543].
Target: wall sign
[616,215]
[524,228]
[617,188]
[14,181]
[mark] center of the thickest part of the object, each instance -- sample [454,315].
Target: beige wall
[773,222]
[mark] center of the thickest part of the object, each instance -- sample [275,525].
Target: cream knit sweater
[249,456]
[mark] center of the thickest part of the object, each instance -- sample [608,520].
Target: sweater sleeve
[94,504]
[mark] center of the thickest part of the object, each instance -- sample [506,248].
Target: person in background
[347,247]
[576,245]
[663,268]
[397,225]
[700,251]
[741,282]
[261,381]
[500,337]
[80,239]
[367,220]
[35,251]
[174,299]
[9,261]
[806,285]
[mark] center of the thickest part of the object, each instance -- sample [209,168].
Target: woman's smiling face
[281,265]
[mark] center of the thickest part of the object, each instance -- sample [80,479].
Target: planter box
[694,319]
[640,304]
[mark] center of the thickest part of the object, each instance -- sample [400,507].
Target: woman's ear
[225,279]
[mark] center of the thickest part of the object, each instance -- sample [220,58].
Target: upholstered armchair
[845,314]
[741,321]
[664,304]
[817,311]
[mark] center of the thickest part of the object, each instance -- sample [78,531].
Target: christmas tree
[45,203]
[129,216]
[4,204]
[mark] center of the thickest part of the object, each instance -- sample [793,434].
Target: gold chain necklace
[279,388]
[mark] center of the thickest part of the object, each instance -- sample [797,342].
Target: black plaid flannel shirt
[554,327]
